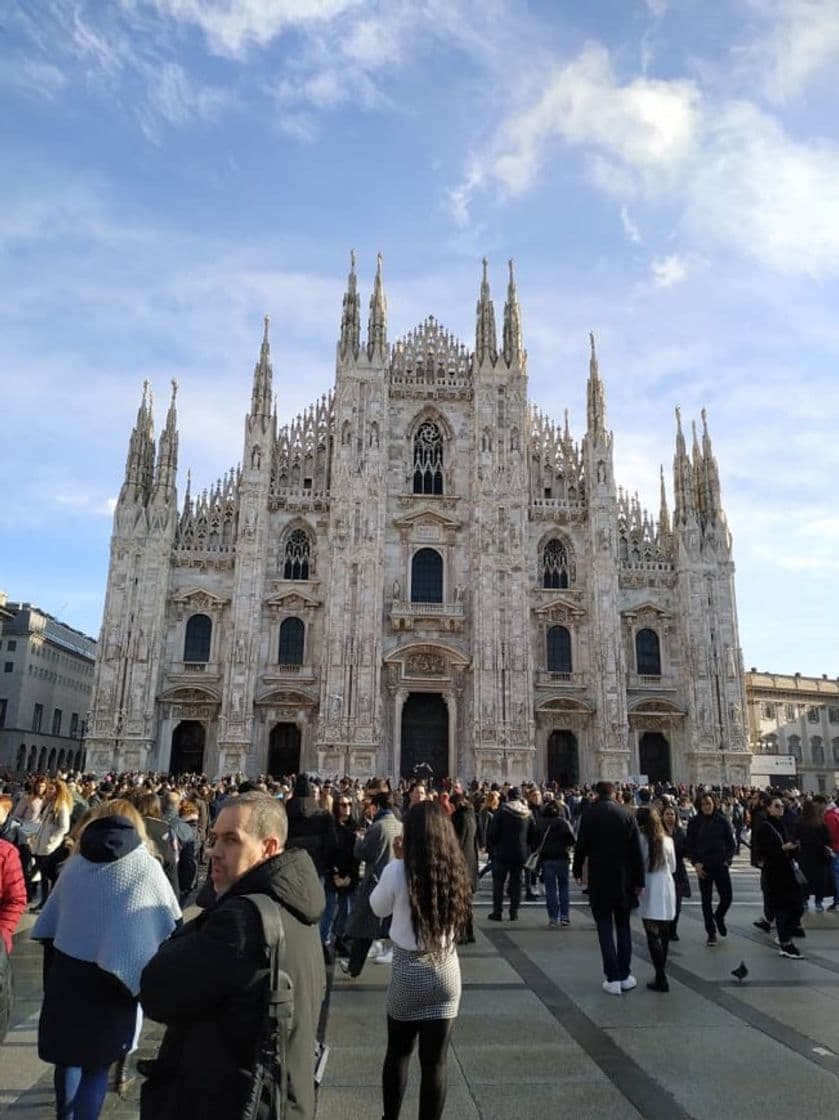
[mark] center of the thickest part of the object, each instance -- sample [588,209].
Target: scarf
[114,915]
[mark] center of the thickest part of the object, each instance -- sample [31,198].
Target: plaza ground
[536,1032]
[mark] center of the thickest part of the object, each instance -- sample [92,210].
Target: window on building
[792,711]
[834,743]
[770,744]
[813,715]
[11,645]
[559,650]
[817,750]
[794,747]
[9,665]
[647,653]
[555,565]
[427,576]
[768,711]
[74,724]
[199,632]
[292,634]
[821,782]
[56,721]
[37,717]
[3,705]
[428,459]
[297,555]
[833,715]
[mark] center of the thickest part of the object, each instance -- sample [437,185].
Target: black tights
[433,1037]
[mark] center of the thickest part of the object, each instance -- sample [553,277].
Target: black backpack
[269,1086]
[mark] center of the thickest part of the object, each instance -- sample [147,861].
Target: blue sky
[664,172]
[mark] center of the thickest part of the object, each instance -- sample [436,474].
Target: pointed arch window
[428,459]
[555,568]
[297,555]
[647,653]
[199,632]
[559,650]
[427,576]
[292,640]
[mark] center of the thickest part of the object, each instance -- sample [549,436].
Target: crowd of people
[358,871]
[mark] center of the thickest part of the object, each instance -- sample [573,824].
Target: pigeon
[740,972]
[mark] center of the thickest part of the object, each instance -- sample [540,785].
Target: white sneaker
[384,958]
[612,987]
[375,950]
[629,983]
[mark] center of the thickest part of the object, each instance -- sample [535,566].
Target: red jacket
[831,819]
[12,892]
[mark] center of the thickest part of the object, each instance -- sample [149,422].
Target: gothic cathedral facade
[421,570]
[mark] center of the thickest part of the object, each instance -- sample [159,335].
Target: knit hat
[302,787]
[514,793]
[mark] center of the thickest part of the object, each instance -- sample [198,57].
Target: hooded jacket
[512,833]
[312,829]
[208,984]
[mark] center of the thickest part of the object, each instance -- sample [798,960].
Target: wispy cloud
[667,271]
[797,44]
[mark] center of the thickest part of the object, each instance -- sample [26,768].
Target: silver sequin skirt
[423,986]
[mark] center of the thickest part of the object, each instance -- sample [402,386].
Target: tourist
[111,908]
[489,807]
[465,822]
[341,880]
[831,819]
[12,905]
[608,842]
[657,905]
[554,841]
[782,883]
[375,848]
[53,827]
[426,890]
[710,848]
[511,837]
[814,852]
[681,880]
[161,836]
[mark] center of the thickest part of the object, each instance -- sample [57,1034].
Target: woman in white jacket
[658,900]
[55,824]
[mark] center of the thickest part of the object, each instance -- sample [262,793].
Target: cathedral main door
[284,750]
[563,759]
[187,748]
[654,756]
[425,735]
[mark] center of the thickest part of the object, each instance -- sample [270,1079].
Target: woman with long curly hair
[428,893]
[658,899]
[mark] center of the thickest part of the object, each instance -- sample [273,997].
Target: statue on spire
[596,396]
[486,347]
[377,323]
[350,340]
[513,348]
[262,381]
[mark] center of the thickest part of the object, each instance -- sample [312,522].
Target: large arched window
[297,555]
[427,576]
[647,653]
[817,750]
[794,747]
[555,565]
[428,459]
[199,631]
[292,634]
[559,650]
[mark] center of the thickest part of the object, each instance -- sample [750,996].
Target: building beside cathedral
[422,568]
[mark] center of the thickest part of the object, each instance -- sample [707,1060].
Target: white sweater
[390,896]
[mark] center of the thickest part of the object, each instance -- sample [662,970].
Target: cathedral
[422,570]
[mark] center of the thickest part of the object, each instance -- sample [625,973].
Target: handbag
[800,877]
[532,861]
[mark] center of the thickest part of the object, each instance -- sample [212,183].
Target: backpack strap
[272,1052]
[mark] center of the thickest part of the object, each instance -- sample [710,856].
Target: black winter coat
[511,833]
[782,889]
[559,839]
[208,983]
[312,829]
[608,839]
[465,821]
[710,840]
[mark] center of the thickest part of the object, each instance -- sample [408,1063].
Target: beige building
[421,568]
[46,679]
[799,716]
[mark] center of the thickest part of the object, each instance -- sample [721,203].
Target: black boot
[658,955]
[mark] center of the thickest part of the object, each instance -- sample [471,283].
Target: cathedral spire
[167,455]
[711,474]
[377,323]
[596,396]
[513,348]
[351,316]
[139,463]
[663,512]
[698,469]
[263,375]
[684,509]
[486,347]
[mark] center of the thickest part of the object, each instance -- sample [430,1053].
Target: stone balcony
[279,674]
[426,616]
[646,682]
[565,681]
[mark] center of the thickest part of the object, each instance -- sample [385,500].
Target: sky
[664,173]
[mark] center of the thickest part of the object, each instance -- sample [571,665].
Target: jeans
[79,1093]
[834,872]
[555,873]
[720,878]
[337,911]
[615,939]
[500,872]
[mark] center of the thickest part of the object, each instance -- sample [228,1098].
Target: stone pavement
[536,1031]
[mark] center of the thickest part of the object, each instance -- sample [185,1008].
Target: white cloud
[177,98]
[799,44]
[629,227]
[646,125]
[667,271]
[657,8]
[32,76]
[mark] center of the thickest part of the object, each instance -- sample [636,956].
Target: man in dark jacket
[511,835]
[310,827]
[465,822]
[208,983]
[710,848]
[608,839]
